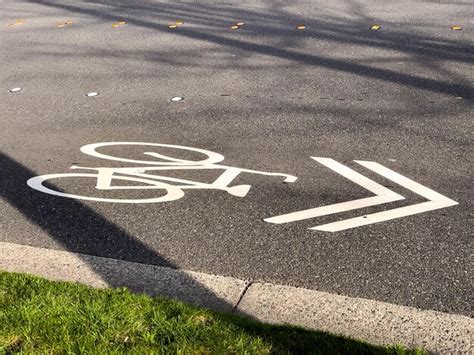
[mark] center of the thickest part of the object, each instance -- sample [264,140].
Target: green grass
[41,316]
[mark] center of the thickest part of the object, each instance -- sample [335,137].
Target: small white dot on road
[15,90]
[92,94]
[177,98]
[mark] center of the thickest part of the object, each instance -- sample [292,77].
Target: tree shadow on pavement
[280,40]
[79,229]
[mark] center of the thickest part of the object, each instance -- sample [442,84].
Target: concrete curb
[373,321]
[210,291]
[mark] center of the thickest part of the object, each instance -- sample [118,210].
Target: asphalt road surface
[267,97]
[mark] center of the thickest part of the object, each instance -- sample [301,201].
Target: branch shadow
[337,30]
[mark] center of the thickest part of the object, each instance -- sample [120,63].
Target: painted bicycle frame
[174,187]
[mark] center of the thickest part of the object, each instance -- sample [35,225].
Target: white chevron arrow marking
[383,195]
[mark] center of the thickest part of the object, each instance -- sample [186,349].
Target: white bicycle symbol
[104,176]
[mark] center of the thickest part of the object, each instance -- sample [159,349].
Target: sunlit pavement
[365,104]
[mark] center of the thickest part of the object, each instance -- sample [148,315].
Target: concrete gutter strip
[372,321]
[204,290]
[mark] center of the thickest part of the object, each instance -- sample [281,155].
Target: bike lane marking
[436,201]
[105,176]
[384,195]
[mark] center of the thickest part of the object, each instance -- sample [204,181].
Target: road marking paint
[384,195]
[17,23]
[65,23]
[171,188]
[119,23]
